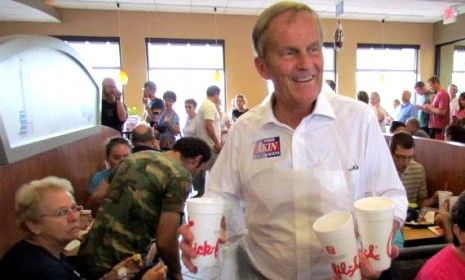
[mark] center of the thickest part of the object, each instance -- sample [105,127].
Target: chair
[410,261]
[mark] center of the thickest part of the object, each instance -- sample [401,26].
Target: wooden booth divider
[76,161]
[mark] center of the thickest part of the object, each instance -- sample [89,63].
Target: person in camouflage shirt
[145,201]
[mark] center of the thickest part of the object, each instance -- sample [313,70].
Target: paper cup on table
[335,231]
[442,197]
[452,200]
[206,214]
[374,218]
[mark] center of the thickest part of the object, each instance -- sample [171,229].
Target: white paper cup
[452,200]
[442,197]
[335,231]
[206,214]
[374,217]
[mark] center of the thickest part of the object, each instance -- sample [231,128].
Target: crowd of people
[437,114]
[273,170]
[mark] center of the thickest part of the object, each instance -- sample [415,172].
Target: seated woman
[449,263]
[116,149]
[47,213]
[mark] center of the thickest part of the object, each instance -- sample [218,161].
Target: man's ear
[262,68]
[197,160]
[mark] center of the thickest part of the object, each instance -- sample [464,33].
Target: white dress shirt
[279,180]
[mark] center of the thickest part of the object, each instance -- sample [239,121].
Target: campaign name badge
[268,147]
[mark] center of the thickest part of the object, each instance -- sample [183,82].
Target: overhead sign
[449,15]
[340,8]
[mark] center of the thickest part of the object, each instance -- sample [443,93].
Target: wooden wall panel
[76,161]
[444,163]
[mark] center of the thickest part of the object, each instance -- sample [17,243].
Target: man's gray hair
[263,21]
[413,121]
[142,133]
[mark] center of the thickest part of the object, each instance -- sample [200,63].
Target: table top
[420,236]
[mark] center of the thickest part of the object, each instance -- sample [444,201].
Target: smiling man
[296,157]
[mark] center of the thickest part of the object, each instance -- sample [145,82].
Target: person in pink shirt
[438,109]
[449,263]
[459,116]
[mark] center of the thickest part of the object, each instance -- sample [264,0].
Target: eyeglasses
[404,158]
[156,113]
[64,212]
[188,107]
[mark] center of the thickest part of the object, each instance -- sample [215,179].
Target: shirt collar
[405,104]
[323,108]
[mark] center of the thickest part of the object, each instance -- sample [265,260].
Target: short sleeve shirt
[168,120]
[446,264]
[208,111]
[145,184]
[97,179]
[441,100]
[414,180]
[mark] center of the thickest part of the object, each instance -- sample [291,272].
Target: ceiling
[427,11]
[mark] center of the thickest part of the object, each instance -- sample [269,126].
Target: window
[100,54]
[388,70]
[458,68]
[329,68]
[187,67]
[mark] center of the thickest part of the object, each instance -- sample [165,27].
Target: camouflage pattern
[144,185]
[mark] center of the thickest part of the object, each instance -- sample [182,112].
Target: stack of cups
[335,231]
[442,197]
[205,214]
[375,216]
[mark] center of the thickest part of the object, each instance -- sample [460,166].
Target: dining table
[425,232]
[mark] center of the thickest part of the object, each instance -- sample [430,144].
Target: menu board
[47,96]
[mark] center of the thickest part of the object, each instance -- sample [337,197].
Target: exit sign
[449,15]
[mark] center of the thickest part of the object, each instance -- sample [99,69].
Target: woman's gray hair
[29,197]
[263,21]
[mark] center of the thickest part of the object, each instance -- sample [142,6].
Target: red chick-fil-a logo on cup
[206,249]
[341,269]
[370,253]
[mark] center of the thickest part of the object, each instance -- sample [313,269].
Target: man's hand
[126,268]
[157,272]
[187,253]
[367,271]
[117,94]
